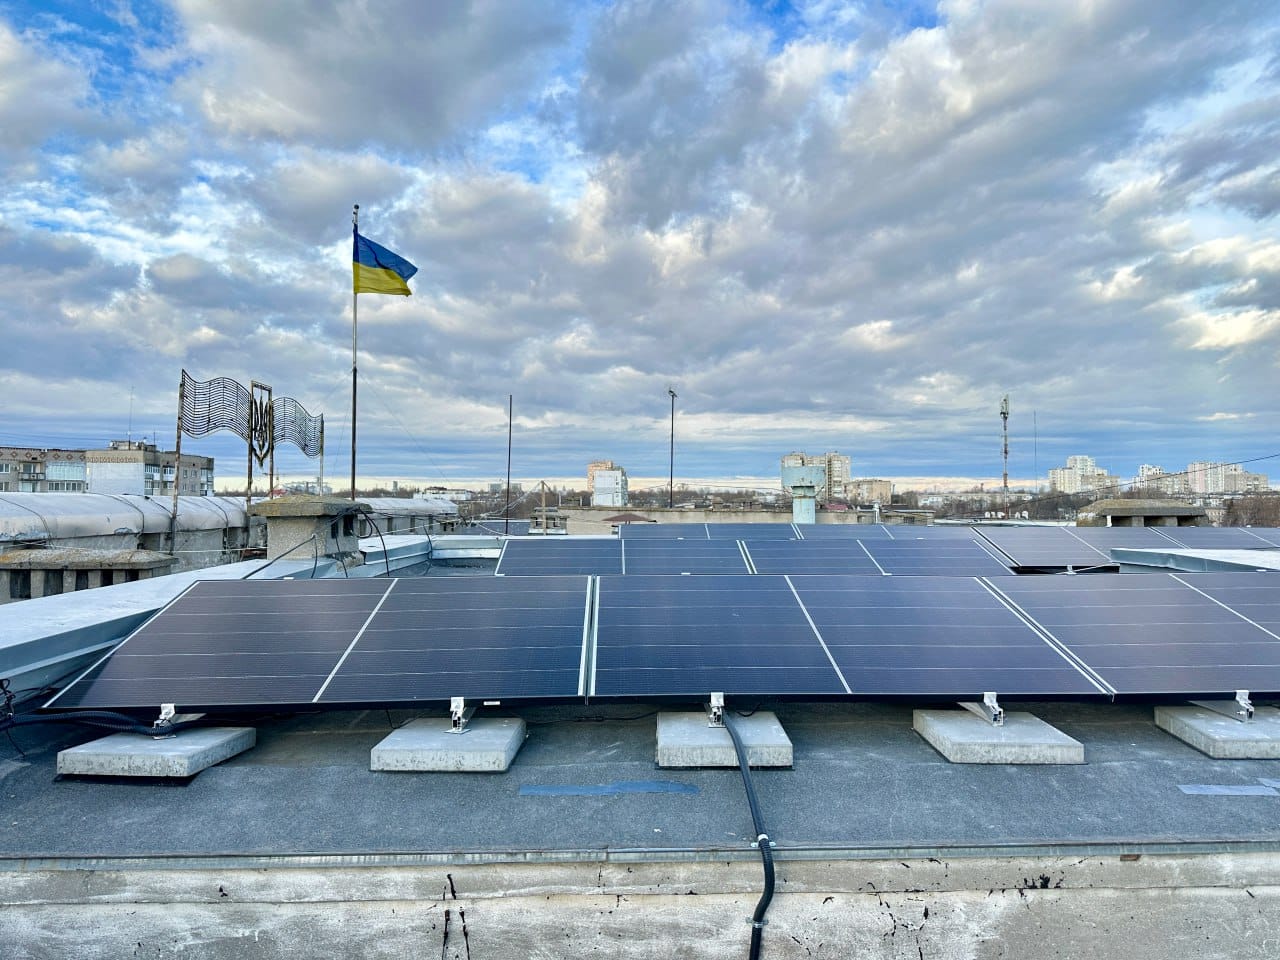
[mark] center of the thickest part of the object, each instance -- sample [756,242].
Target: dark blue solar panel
[663,531]
[1255,597]
[1105,538]
[946,531]
[233,642]
[691,636]
[559,556]
[676,557]
[1045,546]
[943,557]
[843,531]
[752,531]
[1153,634]
[349,642]
[940,637]
[812,557]
[478,638]
[1217,538]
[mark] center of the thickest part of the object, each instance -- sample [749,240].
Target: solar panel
[1045,547]
[1105,538]
[677,557]
[937,637]
[944,557]
[479,638]
[1217,538]
[1155,633]
[229,642]
[259,643]
[559,556]
[811,557]
[843,531]
[752,531]
[663,531]
[691,636]
[957,531]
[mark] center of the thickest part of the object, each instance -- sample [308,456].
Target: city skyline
[850,227]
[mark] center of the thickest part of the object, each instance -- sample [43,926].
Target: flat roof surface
[863,783]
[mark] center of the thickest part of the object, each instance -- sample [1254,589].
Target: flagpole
[355,297]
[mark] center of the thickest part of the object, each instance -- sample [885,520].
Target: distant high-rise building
[1081,475]
[835,467]
[1207,478]
[609,488]
[41,470]
[1170,485]
[595,465]
[131,466]
[124,467]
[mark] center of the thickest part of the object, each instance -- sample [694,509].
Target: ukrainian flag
[375,269]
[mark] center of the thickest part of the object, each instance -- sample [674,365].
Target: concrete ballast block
[964,737]
[687,740]
[138,755]
[487,744]
[1224,737]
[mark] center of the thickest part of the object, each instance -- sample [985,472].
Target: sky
[826,226]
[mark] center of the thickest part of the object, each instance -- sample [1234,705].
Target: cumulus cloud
[835,226]
[401,73]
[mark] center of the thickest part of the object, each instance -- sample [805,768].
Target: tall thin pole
[1035,448]
[177,474]
[671,479]
[506,511]
[1004,417]
[355,298]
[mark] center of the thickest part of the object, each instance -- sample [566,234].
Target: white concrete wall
[1143,907]
[115,477]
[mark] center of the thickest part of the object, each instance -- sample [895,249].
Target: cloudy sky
[826,225]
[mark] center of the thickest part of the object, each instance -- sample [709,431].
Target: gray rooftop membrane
[862,781]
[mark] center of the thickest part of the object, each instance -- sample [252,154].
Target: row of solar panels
[852,548]
[251,644]
[606,556]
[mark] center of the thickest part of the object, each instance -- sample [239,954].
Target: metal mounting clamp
[160,726]
[989,709]
[715,710]
[1241,708]
[459,713]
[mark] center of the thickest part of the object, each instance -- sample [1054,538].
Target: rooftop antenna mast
[1004,417]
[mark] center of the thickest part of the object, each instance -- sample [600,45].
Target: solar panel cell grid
[676,636]
[1152,634]
[938,637]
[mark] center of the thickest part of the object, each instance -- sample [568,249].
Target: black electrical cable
[762,839]
[315,560]
[385,556]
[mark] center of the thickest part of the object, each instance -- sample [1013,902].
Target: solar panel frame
[559,556]
[687,637]
[843,531]
[1216,538]
[944,638]
[951,556]
[752,531]
[803,557]
[430,656]
[1044,547]
[663,531]
[492,658]
[1200,647]
[683,557]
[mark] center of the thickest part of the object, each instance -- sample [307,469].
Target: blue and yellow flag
[375,269]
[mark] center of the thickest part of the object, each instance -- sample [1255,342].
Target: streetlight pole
[671,482]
